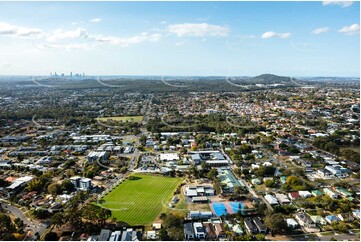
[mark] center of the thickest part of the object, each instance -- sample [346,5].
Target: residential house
[220,231]
[335,171]
[293,195]
[343,192]
[271,199]
[237,229]
[250,227]
[282,198]
[188,231]
[356,213]
[157,226]
[115,236]
[199,230]
[151,235]
[104,235]
[346,217]
[332,218]
[316,193]
[325,174]
[318,220]
[304,220]
[330,193]
[256,181]
[291,223]
[262,229]
[210,230]
[305,194]
[130,235]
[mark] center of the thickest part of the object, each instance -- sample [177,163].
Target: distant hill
[270,78]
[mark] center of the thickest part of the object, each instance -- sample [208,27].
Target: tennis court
[224,208]
[219,209]
[236,206]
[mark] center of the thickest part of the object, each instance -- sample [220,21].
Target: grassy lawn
[140,198]
[135,119]
[354,148]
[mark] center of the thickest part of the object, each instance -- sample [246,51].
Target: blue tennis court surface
[219,209]
[236,206]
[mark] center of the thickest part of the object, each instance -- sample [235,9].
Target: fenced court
[224,208]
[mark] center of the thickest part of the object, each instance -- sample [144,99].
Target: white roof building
[305,194]
[271,199]
[169,157]
[282,198]
[20,181]
[291,222]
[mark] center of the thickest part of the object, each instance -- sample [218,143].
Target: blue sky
[180,38]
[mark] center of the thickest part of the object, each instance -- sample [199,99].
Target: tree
[260,237]
[19,223]
[163,234]
[245,172]
[51,236]
[340,226]
[124,169]
[143,139]
[54,189]
[57,219]
[247,237]
[294,181]
[67,186]
[270,183]
[212,174]
[93,212]
[6,227]
[172,221]
[265,171]
[275,222]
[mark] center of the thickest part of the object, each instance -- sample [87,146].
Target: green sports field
[132,119]
[140,198]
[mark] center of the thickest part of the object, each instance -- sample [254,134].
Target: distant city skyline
[180,38]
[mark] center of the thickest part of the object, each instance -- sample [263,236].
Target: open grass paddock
[140,198]
[132,119]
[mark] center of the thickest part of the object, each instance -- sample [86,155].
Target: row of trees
[212,123]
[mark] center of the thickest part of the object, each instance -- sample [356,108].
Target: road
[253,192]
[320,237]
[147,110]
[34,226]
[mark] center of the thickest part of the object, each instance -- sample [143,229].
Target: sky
[180,38]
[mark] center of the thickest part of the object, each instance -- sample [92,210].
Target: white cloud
[17,31]
[180,43]
[343,4]
[248,36]
[75,46]
[96,20]
[350,30]
[199,30]
[78,38]
[126,41]
[77,23]
[320,30]
[9,66]
[67,35]
[163,22]
[271,34]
